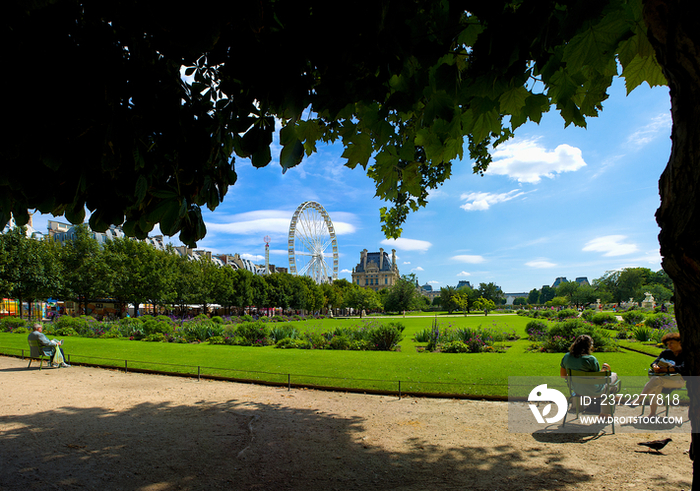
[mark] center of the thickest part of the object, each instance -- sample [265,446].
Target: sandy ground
[87,428]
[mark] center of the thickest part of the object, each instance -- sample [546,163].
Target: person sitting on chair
[54,345]
[668,369]
[580,358]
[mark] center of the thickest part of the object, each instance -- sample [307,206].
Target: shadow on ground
[245,446]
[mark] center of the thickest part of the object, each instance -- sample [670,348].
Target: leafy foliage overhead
[106,121]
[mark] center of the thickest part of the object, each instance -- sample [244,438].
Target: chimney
[364,259]
[381,258]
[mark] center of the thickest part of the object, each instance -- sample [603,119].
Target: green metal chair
[591,384]
[38,352]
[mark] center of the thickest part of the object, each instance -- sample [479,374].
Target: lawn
[474,374]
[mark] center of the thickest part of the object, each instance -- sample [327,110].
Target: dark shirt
[679,361]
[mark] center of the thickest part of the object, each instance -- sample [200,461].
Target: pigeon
[656,444]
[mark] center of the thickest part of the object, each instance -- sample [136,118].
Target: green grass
[474,374]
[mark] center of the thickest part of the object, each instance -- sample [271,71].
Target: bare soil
[87,428]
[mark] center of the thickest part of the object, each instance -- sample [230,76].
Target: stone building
[376,270]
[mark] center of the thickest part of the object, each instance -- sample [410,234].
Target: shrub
[422,336]
[156,337]
[339,342]
[283,331]
[217,319]
[217,339]
[557,344]
[113,332]
[662,321]
[165,318]
[65,331]
[603,318]
[547,314]
[288,343]
[253,331]
[587,314]
[80,325]
[642,332]
[536,330]
[199,329]
[9,324]
[153,326]
[566,331]
[21,330]
[387,336]
[455,347]
[566,314]
[316,340]
[633,317]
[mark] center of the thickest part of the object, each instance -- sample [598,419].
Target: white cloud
[610,245]
[418,269]
[267,222]
[407,262]
[660,125]
[345,271]
[540,263]
[469,259]
[433,282]
[407,244]
[464,273]
[527,161]
[483,201]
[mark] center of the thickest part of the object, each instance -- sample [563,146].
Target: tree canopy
[108,122]
[145,122]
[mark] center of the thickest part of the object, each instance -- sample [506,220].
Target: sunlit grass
[475,374]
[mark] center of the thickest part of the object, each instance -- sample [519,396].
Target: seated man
[37,336]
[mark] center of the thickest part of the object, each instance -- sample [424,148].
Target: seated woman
[669,368]
[580,358]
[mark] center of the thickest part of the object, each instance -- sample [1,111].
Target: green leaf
[596,45]
[291,155]
[512,101]
[172,211]
[141,188]
[643,69]
[358,150]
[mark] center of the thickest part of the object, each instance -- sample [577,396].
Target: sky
[555,202]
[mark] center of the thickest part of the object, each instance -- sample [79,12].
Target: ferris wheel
[312,243]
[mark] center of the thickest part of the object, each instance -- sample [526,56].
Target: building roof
[373,257]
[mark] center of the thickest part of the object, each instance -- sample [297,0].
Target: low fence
[399,388]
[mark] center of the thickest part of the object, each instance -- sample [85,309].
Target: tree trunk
[675,35]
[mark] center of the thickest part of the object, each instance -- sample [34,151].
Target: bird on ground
[656,444]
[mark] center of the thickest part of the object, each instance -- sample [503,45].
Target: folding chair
[665,391]
[38,352]
[593,385]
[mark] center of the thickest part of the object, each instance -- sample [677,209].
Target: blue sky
[556,202]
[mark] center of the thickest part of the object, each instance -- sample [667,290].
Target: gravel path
[87,428]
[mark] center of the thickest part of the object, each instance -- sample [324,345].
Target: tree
[404,84]
[583,296]
[520,301]
[362,299]
[547,293]
[491,291]
[484,304]
[403,295]
[533,296]
[136,277]
[447,301]
[86,272]
[29,270]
